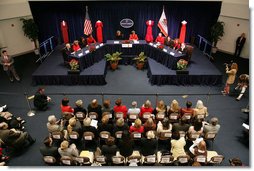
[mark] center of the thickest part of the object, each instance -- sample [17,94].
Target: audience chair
[67,115]
[101,160]
[132,117]
[200,116]
[149,160]
[57,137]
[210,136]
[216,160]
[118,115]
[50,160]
[166,160]
[93,115]
[110,115]
[145,116]
[104,135]
[118,134]
[164,135]
[89,140]
[193,136]
[173,117]
[118,160]
[182,134]
[83,161]
[74,137]
[134,159]
[80,116]
[187,117]
[183,160]
[201,159]
[160,116]
[67,161]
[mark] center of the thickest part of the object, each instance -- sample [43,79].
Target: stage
[53,72]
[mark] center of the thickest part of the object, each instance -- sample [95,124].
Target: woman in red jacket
[160,39]
[90,39]
[75,46]
[65,107]
[133,36]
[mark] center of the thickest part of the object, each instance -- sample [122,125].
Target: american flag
[87,24]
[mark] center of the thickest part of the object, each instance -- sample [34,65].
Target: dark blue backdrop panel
[199,15]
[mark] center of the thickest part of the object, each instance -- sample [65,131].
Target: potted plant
[182,64]
[113,59]
[217,31]
[74,67]
[31,31]
[140,60]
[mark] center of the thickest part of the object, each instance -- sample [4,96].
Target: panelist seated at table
[90,39]
[160,39]
[82,42]
[177,44]
[182,49]
[76,46]
[119,35]
[133,36]
[66,52]
[169,42]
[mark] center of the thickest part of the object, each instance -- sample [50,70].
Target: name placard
[172,53]
[87,51]
[165,50]
[116,42]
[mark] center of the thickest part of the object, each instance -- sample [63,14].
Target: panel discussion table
[166,56]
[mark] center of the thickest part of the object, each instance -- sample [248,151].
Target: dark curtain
[199,15]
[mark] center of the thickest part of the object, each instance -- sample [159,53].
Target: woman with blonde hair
[174,107]
[200,109]
[231,72]
[161,107]
[66,150]
[137,127]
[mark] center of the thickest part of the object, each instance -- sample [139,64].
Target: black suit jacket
[239,42]
[49,151]
[148,146]
[40,100]
[66,52]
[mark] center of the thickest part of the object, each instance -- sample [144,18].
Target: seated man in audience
[79,107]
[188,109]
[133,36]
[12,121]
[41,99]
[149,144]
[181,126]
[212,127]
[160,39]
[109,149]
[76,46]
[15,138]
[48,149]
[90,39]
[95,107]
[56,126]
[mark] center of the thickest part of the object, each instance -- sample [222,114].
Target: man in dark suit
[48,149]
[41,100]
[239,44]
[7,62]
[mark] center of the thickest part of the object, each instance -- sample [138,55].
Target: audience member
[149,125]
[41,99]
[90,39]
[109,149]
[188,109]
[48,149]
[213,126]
[197,127]
[235,162]
[126,144]
[120,108]
[149,144]
[12,121]
[181,126]
[106,109]
[160,39]
[120,126]
[242,85]
[161,108]
[137,127]
[174,107]
[56,126]
[66,150]
[8,65]
[79,107]
[74,125]
[95,107]
[76,46]
[200,109]
[105,125]
[133,36]
[146,108]
[164,126]
[231,72]
[134,109]
[198,147]
[177,145]
[65,107]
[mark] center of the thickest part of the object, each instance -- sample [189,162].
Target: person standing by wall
[239,44]
[231,72]
[7,61]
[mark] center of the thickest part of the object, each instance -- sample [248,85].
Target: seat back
[57,135]
[100,159]
[145,116]
[67,115]
[119,134]
[210,135]
[182,134]
[132,117]
[200,116]
[187,117]
[134,159]
[104,135]
[118,160]
[83,160]
[200,159]
[166,159]
[184,159]
[165,135]
[93,115]
[193,136]
[119,115]
[160,116]
[151,159]
[50,160]
[74,135]
[110,115]
[80,116]
[136,135]
[67,161]
[173,117]
[88,136]
[217,159]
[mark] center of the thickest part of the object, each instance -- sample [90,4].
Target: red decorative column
[64,29]
[149,31]
[183,32]
[99,35]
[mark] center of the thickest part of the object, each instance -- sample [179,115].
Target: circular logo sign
[126,23]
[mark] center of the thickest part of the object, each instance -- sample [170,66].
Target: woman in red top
[90,39]
[133,36]
[160,39]
[65,107]
[120,108]
[147,107]
[75,46]
[177,44]
[137,127]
